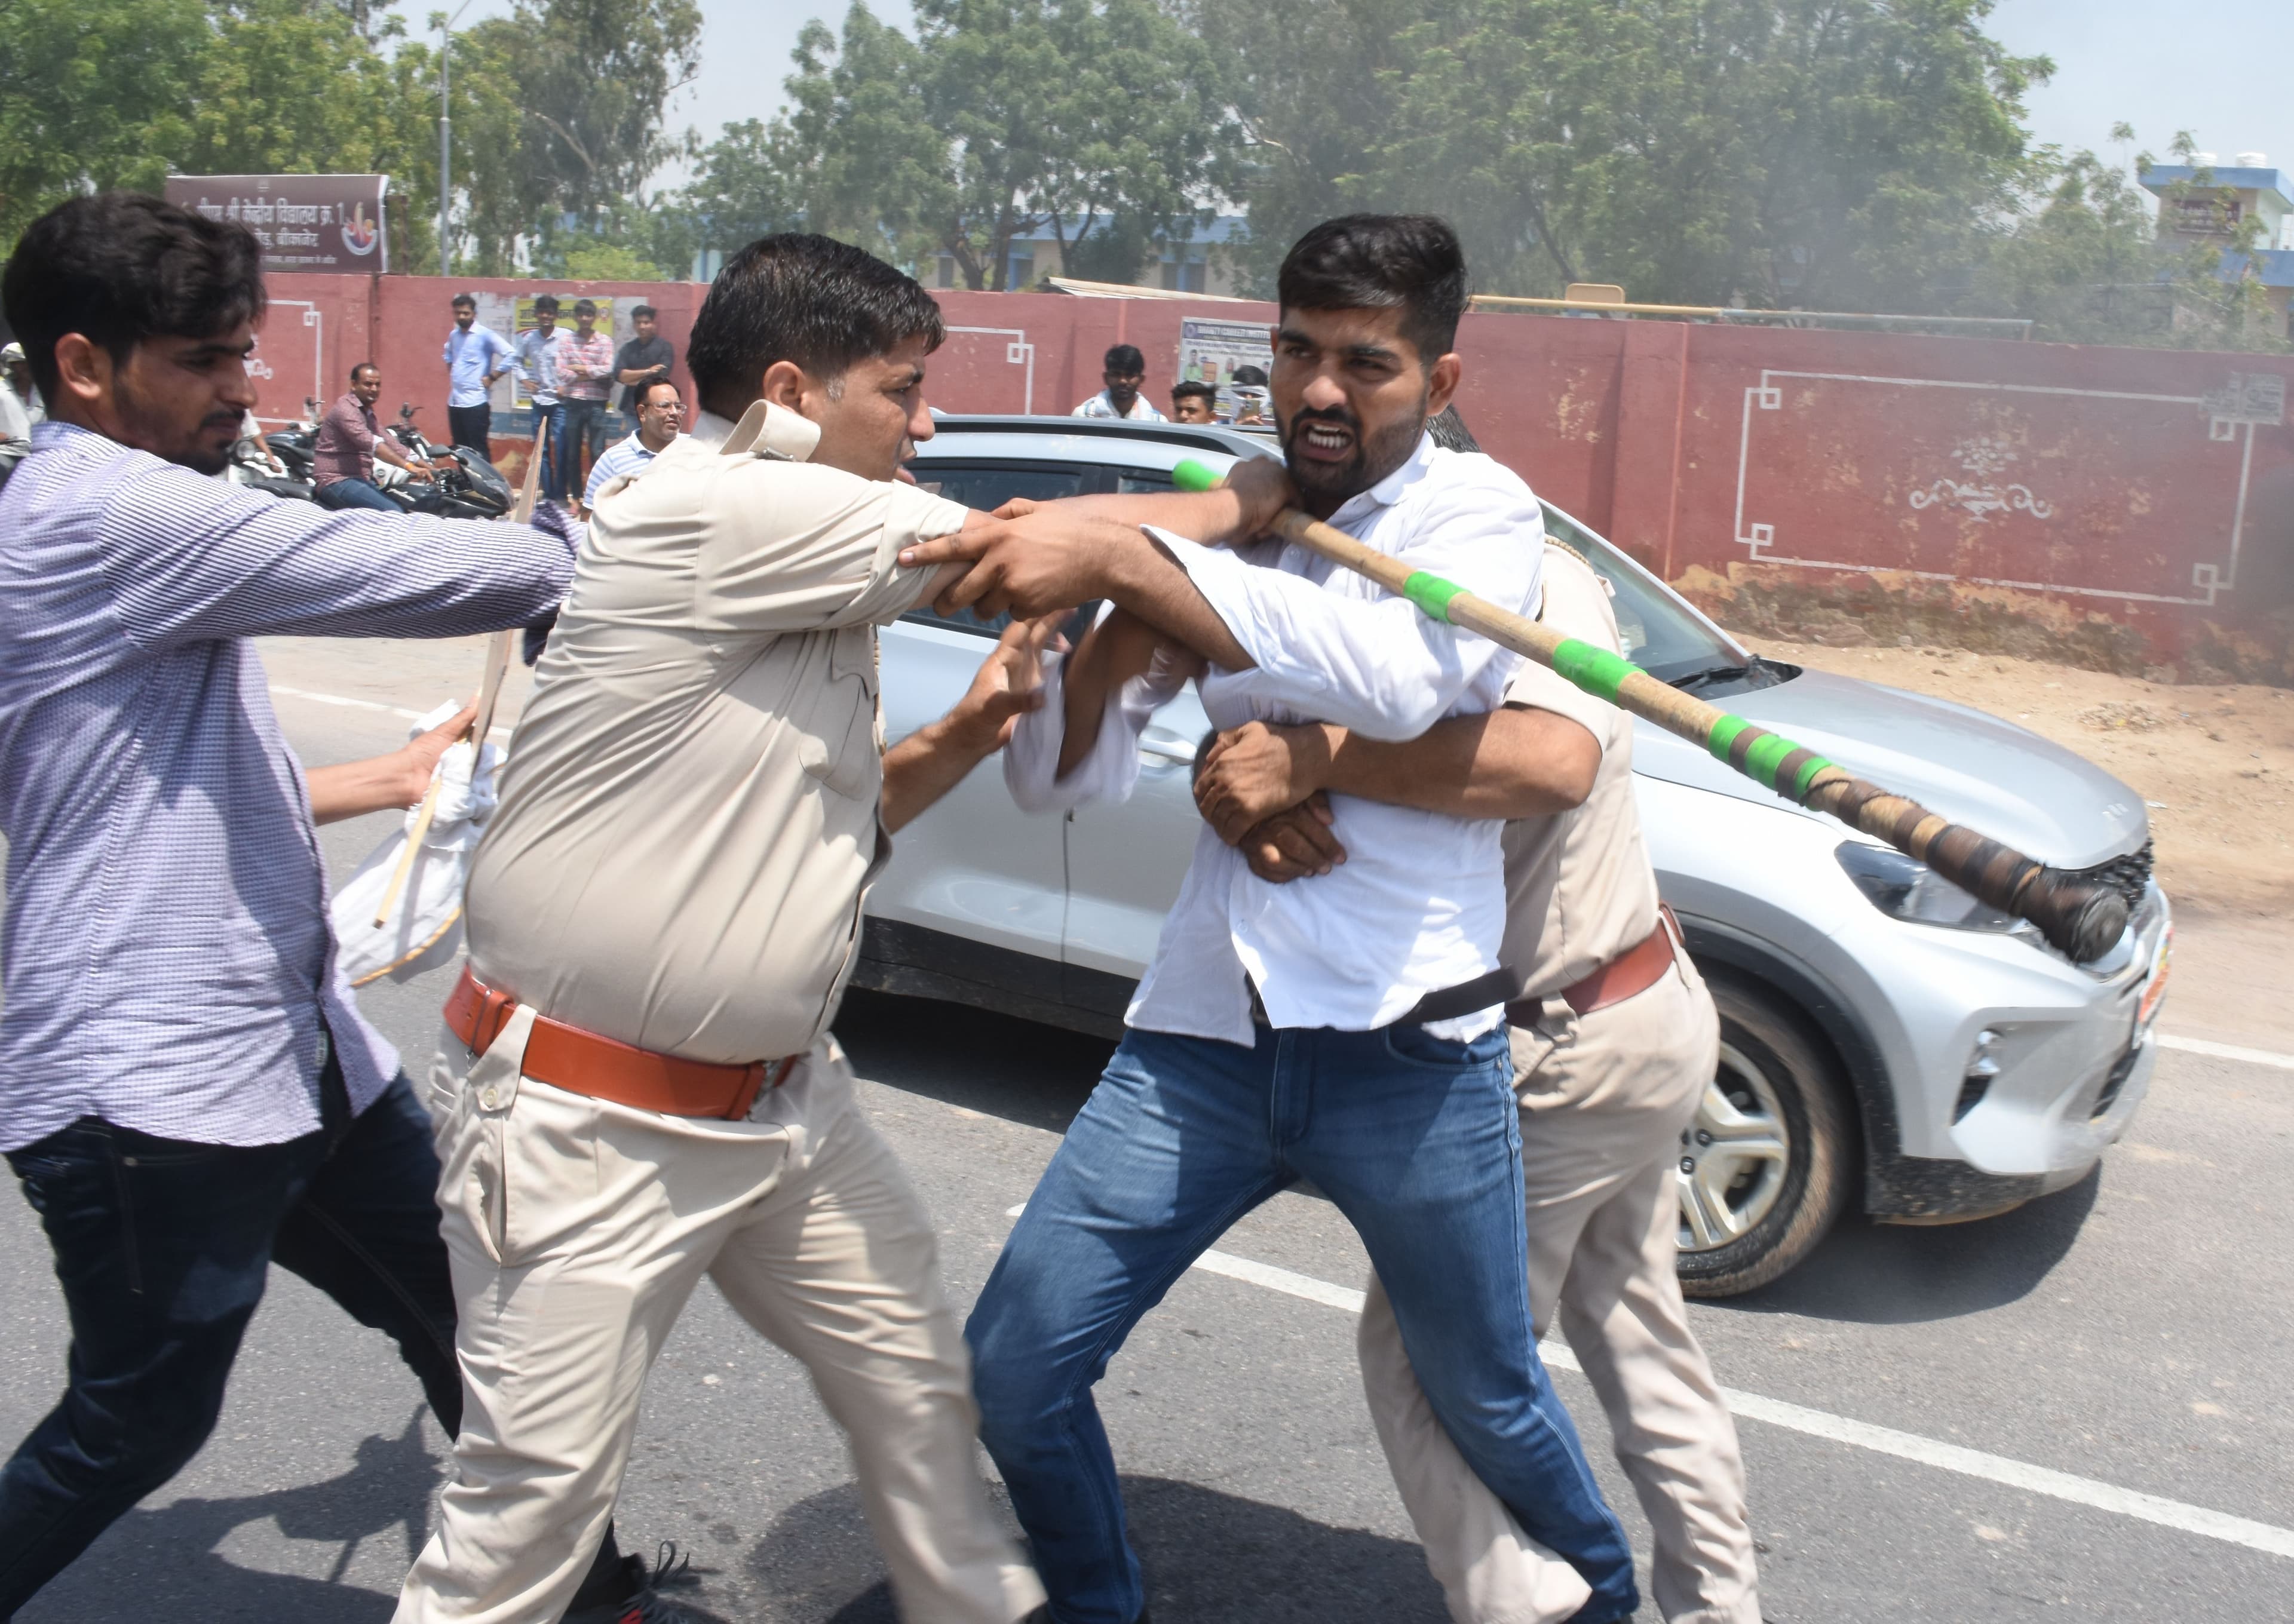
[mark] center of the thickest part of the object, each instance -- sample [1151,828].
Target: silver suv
[1885,1038]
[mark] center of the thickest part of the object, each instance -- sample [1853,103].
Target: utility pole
[446,131]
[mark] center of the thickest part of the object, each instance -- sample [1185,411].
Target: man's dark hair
[545,304]
[121,267]
[645,395]
[464,301]
[585,307]
[1249,377]
[645,309]
[365,366]
[1124,361]
[1191,388]
[794,296]
[1377,262]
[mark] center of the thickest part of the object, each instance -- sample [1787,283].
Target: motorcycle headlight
[1903,888]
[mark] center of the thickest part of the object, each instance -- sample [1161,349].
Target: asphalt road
[2131,1332]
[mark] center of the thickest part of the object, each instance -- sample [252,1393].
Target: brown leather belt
[567,1057]
[1634,971]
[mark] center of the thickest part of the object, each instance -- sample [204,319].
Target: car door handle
[1166,747]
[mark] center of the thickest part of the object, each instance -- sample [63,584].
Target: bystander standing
[585,375]
[661,414]
[537,367]
[20,399]
[646,359]
[476,356]
[349,445]
[1122,369]
[1193,402]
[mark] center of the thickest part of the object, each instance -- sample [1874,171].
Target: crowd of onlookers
[605,411]
[1124,372]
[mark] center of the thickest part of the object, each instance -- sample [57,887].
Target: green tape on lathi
[1765,755]
[1597,670]
[1723,734]
[1807,776]
[1431,593]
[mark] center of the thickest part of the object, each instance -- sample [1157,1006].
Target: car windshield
[1659,635]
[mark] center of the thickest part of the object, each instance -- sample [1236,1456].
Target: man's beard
[1327,484]
[193,451]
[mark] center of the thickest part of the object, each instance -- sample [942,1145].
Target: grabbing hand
[1253,772]
[417,759]
[1262,484]
[1039,561]
[1293,843]
[1009,682]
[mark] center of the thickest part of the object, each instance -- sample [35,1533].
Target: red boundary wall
[2123,508]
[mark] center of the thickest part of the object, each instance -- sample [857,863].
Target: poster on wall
[323,223]
[1210,352]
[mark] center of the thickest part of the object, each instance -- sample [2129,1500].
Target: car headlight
[1903,888]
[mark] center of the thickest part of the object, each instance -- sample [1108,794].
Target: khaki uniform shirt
[1578,887]
[689,811]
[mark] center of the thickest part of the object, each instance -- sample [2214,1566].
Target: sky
[2216,68]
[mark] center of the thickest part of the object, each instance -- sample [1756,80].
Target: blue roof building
[2256,195]
[1185,267]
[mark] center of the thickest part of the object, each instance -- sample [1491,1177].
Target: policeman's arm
[936,757]
[1513,762]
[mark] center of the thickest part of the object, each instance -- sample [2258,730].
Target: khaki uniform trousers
[1603,1100]
[578,1228]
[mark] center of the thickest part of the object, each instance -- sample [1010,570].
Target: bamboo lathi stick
[2081,917]
[490,686]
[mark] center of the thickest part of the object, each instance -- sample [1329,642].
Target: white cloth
[15,421]
[1100,406]
[424,927]
[1420,903]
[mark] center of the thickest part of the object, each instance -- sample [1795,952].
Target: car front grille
[2128,874]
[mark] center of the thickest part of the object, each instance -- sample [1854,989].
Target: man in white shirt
[16,418]
[1123,370]
[661,413]
[1348,1031]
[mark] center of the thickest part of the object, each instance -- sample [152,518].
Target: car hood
[2001,780]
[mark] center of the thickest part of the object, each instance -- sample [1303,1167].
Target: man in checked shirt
[187,1092]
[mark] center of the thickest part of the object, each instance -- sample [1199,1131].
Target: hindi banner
[324,223]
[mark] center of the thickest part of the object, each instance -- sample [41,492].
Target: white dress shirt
[1420,903]
[1100,406]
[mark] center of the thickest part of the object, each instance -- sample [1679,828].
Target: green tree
[94,95]
[999,118]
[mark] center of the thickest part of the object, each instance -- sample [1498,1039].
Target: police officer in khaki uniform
[1615,1039]
[636,1086]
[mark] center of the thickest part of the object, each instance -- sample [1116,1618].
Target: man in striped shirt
[188,1093]
[661,413]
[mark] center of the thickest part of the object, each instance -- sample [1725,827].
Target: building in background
[1180,267]
[2244,200]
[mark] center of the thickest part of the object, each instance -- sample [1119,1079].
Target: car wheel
[1768,1164]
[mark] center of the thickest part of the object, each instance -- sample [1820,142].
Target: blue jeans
[162,1247]
[578,434]
[343,493]
[553,452]
[1417,1141]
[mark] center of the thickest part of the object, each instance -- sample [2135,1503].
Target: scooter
[462,485]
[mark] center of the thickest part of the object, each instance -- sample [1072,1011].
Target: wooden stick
[2082,917]
[490,686]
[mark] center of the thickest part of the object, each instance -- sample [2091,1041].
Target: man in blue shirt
[474,357]
[537,367]
[188,1093]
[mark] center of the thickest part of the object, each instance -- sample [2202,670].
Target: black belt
[1442,1004]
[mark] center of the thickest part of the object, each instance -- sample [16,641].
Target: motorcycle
[462,483]
[296,446]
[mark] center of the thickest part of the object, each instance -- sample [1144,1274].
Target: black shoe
[1043,1615]
[643,1602]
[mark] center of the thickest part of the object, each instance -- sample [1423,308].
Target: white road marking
[500,730]
[2226,1051]
[355,704]
[1860,1434]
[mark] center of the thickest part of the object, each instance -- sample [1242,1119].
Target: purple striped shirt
[167,955]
